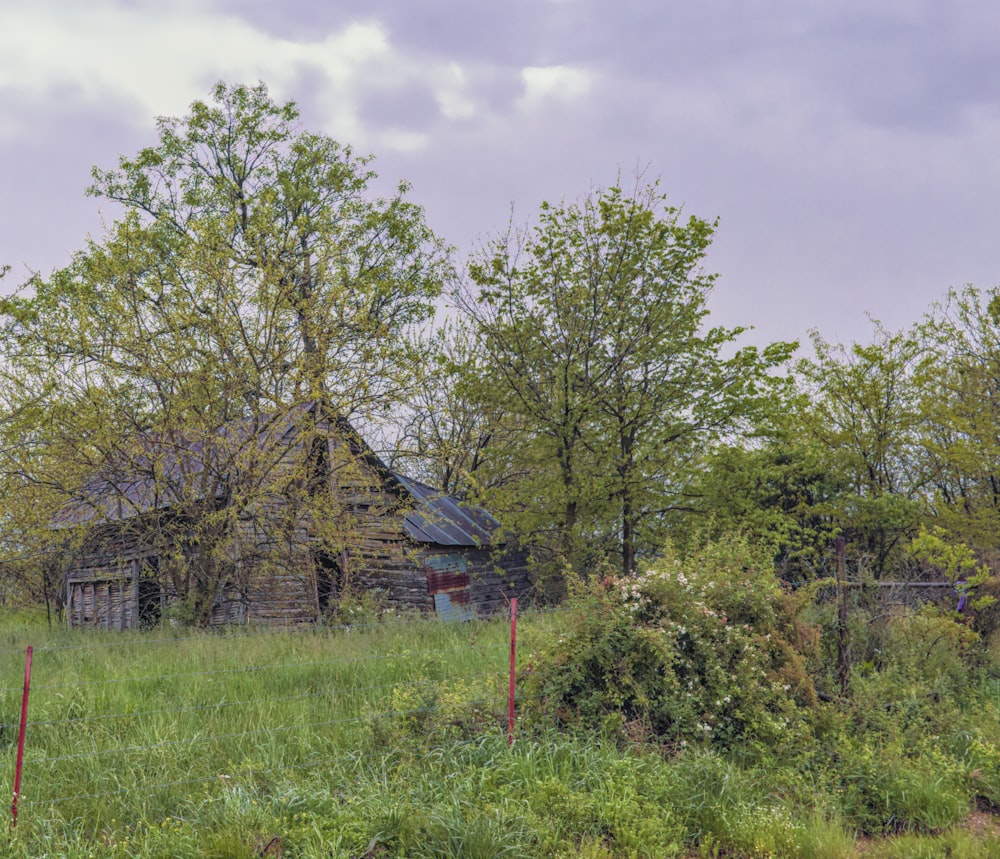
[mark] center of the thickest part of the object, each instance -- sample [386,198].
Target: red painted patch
[444,582]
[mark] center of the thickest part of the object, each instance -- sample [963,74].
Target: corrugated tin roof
[161,471]
[444,520]
[133,489]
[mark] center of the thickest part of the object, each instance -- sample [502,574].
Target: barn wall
[464,582]
[498,578]
[100,588]
[105,604]
[361,528]
[274,578]
[456,582]
[377,556]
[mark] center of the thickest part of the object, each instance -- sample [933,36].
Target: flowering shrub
[698,649]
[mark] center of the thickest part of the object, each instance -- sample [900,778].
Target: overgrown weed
[391,739]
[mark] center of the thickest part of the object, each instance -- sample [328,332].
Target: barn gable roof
[441,519]
[161,472]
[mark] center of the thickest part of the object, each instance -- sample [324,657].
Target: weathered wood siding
[102,604]
[274,578]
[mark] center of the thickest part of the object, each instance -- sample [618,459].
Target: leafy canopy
[252,269]
[593,330]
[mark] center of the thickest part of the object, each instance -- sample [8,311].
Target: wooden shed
[298,510]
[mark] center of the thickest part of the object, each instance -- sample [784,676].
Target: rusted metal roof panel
[441,581]
[441,519]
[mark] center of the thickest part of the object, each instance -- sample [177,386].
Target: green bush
[702,649]
[953,845]
[932,648]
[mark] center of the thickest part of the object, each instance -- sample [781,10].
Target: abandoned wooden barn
[270,523]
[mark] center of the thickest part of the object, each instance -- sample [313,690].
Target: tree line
[576,386]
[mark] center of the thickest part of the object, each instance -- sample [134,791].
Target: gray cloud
[848,149]
[45,215]
[411,105]
[491,32]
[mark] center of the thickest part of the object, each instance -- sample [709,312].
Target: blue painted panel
[447,610]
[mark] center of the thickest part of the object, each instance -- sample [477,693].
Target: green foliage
[953,845]
[323,771]
[884,438]
[861,404]
[931,648]
[782,495]
[726,808]
[961,337]
[691,650]
[593,335]
[957,561]
[982,757]
[907,750]
[453,436]
[456,835]
[434,712]
[886,787]
[252,269]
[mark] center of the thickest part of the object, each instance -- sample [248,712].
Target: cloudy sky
[849,148]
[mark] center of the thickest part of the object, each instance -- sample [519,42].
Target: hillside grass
[389,739]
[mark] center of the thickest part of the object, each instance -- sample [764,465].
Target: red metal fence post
[513,656]
[20,736]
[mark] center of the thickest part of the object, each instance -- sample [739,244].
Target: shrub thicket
[705,648]
[708,653]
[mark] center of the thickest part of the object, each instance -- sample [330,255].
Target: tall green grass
[389,740]
[132,726]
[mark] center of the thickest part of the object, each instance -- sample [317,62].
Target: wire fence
[144,721]
[147,723]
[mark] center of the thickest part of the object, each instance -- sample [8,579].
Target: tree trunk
[625,469]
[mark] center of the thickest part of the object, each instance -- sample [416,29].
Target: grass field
[389,740]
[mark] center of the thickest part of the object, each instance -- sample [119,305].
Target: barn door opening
[150,595]
[329,581]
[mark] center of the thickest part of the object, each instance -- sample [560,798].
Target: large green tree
[252,268]
[861,406]
[783,492]
[960,411]
[592,327]
[277,228]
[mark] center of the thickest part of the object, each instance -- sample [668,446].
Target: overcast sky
[850,149]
